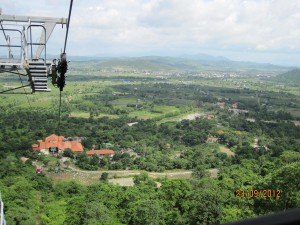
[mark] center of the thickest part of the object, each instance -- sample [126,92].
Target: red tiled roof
[100,152]
[55,141]
[35,147]
[54,138]
[221,103]
[76,146]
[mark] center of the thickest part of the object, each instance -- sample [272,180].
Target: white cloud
[181,27]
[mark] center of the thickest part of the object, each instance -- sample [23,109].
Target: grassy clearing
[86,115]
[80,177]
[226,150]
[166,109]
[123,178]
[214,173]
[122,181]
[142,114]
[186,115]
[124,101]
[172,176]
[294,112]
[158,111]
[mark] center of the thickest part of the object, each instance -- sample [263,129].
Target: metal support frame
[8,45]
[25,25]
[2,218]
[48,27]
[27,22]
[33,19]
[37,43]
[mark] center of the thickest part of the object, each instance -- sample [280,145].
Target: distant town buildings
[221,104]
[234,105]
[212,139]
[131,124]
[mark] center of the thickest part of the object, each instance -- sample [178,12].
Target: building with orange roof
[54,141]
[101,152]
[35,147]
[221,104]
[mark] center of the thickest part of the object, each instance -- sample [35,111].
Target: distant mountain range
[199,62]
[205,57]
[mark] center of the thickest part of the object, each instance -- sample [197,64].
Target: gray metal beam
[33,19]
[49,27]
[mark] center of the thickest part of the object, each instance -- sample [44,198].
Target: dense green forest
[30,198]
[260,176]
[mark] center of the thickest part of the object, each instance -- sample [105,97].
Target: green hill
[179,64]
[291,76]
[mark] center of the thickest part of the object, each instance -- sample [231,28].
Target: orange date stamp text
[256,193]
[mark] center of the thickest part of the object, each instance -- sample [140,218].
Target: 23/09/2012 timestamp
[255,193]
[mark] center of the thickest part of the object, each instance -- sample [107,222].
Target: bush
[68,153]
[104,176]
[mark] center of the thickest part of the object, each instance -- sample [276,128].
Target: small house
[101,153]
[221,104]
[35,147]
[211,139]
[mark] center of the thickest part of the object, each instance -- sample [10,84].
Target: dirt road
[130,172]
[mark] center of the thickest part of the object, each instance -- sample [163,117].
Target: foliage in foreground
[31,199]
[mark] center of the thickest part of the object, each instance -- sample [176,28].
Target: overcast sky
[253,30]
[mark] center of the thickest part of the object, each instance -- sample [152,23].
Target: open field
[226,150]
[159,95]
[122,181]
[294,112]
[87,115]
[124,177]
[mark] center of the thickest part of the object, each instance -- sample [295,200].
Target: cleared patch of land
[192,116]
[121,177]
[87,115]
[214,172]
[226,150]
[82,178]
[122,181]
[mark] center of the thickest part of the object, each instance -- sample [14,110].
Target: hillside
[290,76]
[146,120]
[185,63]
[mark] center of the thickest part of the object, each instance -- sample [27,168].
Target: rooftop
[100,152]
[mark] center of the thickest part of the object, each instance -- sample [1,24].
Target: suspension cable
[65,45]
[67,32]
[6,38]
[9,71]
[24,90]
[15,89]
[59,112]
